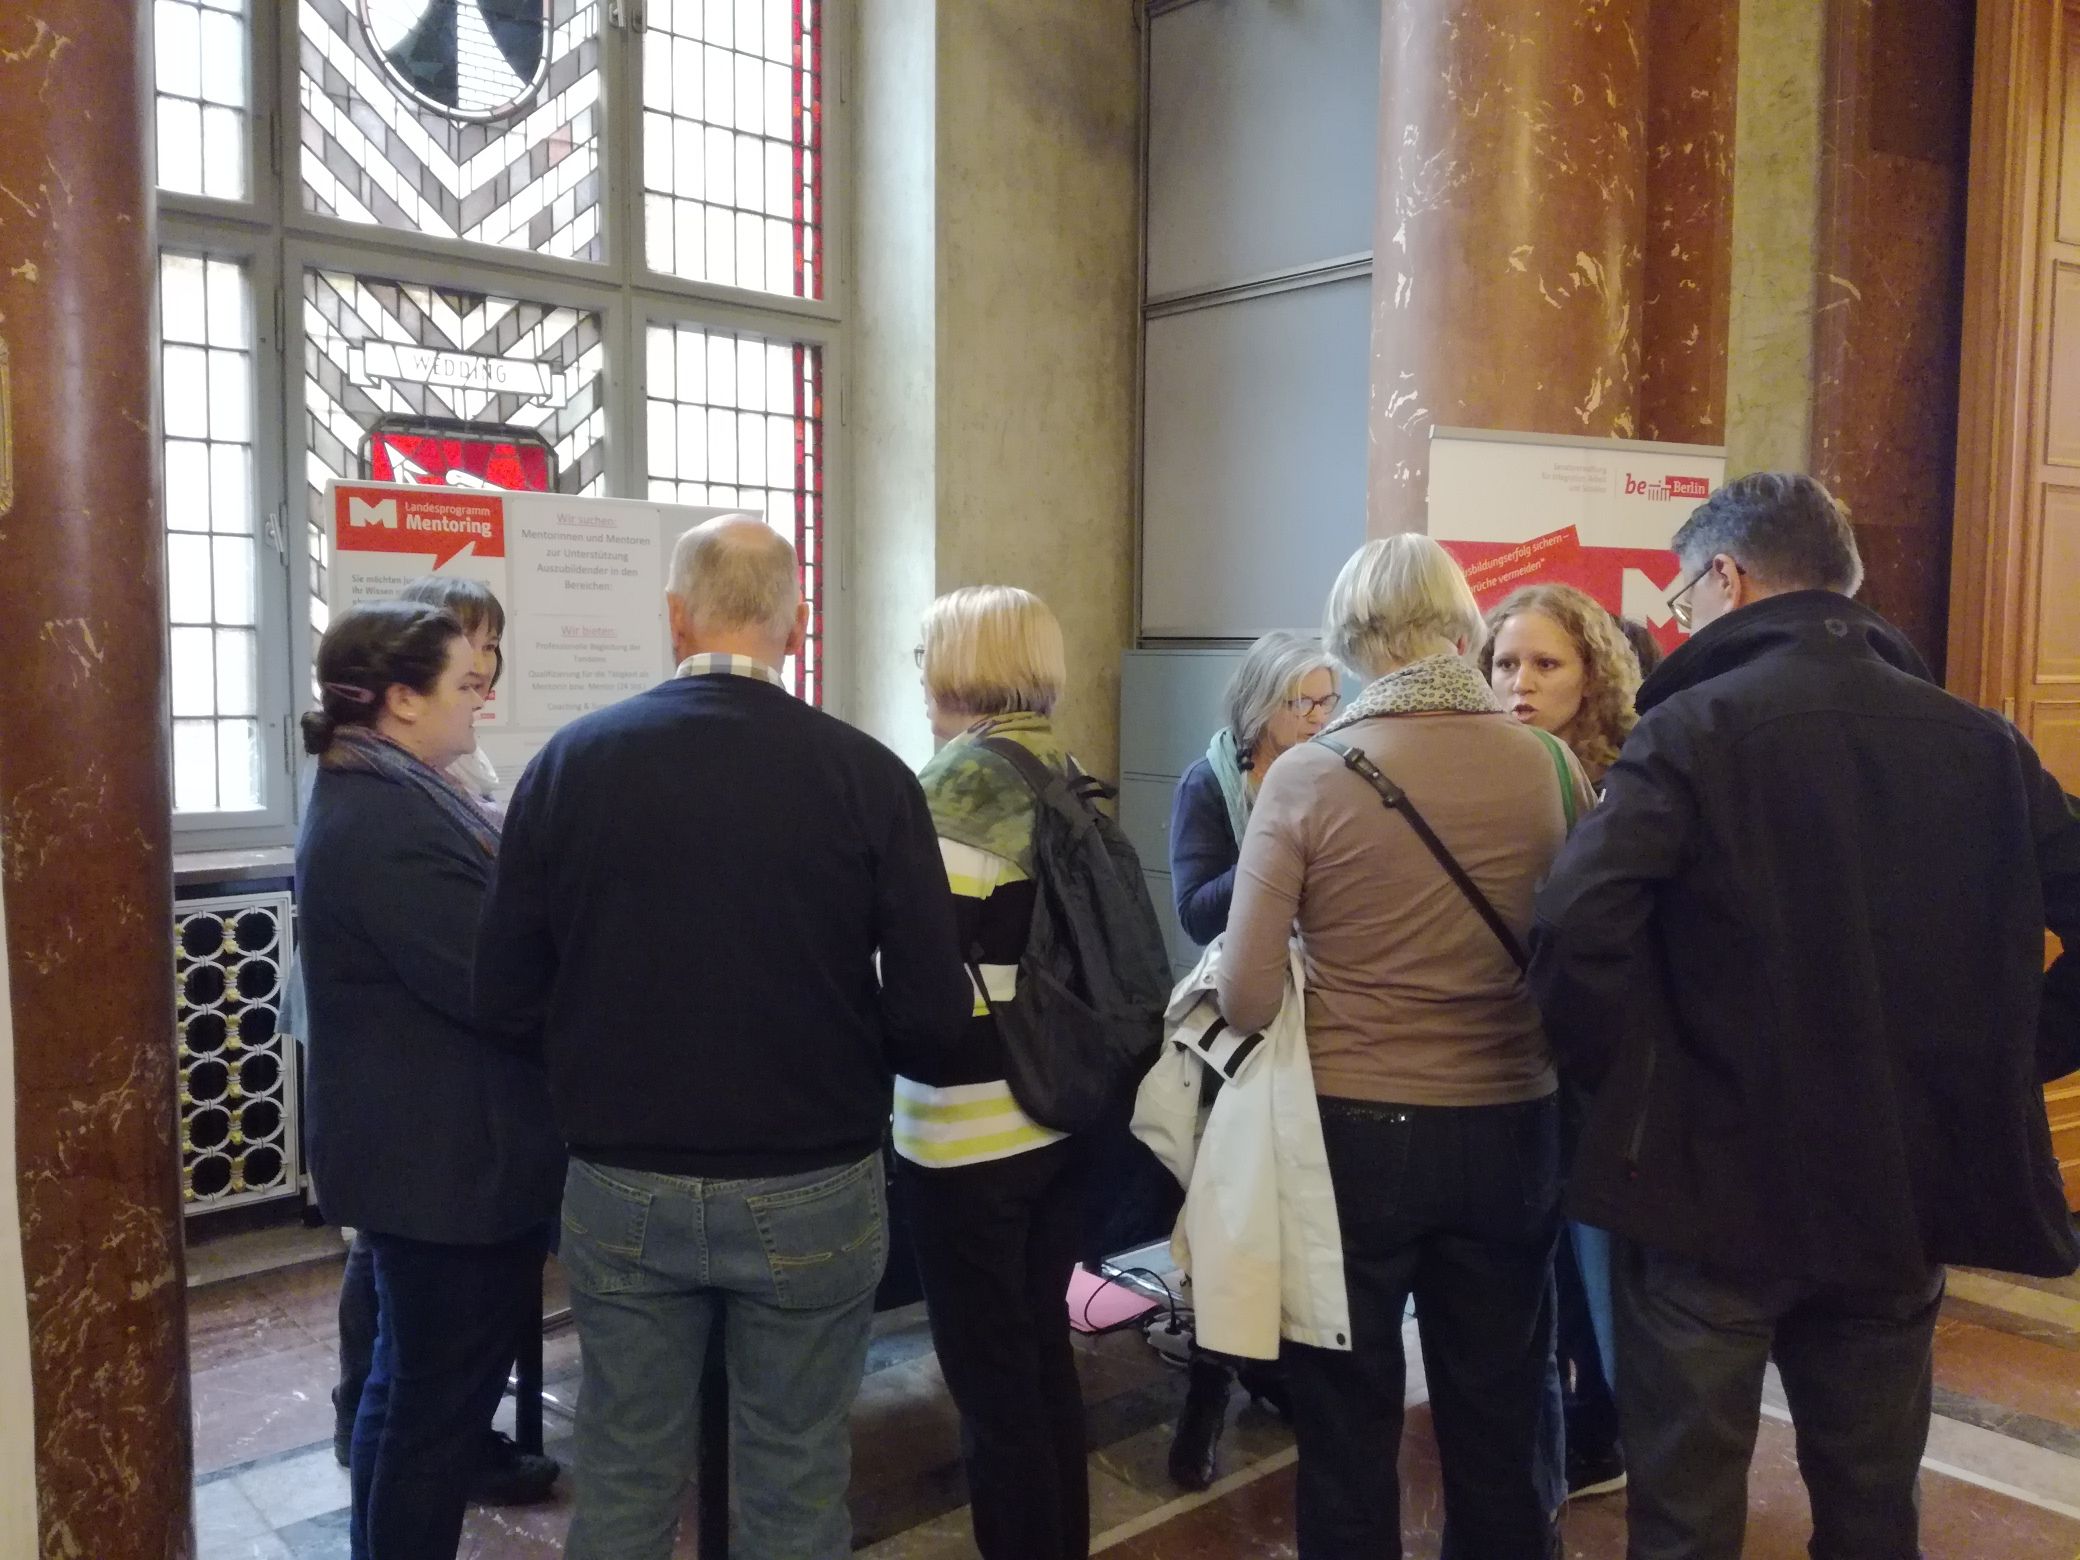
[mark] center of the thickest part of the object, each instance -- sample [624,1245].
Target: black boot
[1199,1427]
[1265,1382]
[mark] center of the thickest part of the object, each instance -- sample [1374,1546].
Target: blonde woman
[995,1199]
[1558,661]
[1435,1082]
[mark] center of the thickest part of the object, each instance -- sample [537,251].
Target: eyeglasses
[1679,603]
[1325,705]
[917,655]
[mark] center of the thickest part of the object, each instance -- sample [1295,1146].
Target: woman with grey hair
[1435,1082]
[1279,697]
[1281,694]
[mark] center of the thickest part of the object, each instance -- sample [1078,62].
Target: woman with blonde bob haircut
[1432,1072]
[995,1199]
[989,650]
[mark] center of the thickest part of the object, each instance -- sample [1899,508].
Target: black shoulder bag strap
[1397,800]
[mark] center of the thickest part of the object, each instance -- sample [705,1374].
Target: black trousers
[995,1246]
[447,1317]
[1858,1369]
[1459,1208]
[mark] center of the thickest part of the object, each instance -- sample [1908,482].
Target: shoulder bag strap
[1397,800]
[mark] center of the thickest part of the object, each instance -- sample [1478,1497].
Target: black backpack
[1095,976]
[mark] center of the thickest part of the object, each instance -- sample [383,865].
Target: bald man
[721,919]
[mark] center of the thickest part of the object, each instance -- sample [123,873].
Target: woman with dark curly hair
[1558,661]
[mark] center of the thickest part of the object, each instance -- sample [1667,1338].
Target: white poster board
[1519,509]
[582,581]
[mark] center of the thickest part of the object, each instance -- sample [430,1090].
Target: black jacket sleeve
[925,992]
[1203,853]
[516,949]
[1594,968]
[417,895]
[2056,819]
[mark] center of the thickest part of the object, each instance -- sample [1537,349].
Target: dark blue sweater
[1203,852]
[692,891]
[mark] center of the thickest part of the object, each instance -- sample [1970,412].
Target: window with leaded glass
[199,61]
[738,419]
[733,143]
[382,349]
[469,119]
[212,545]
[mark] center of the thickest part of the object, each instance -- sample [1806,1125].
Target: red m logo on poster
[439,522]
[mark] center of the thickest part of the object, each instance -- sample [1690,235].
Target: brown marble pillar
[1692,55]
[84,788]
[1507,266]
[1895,142]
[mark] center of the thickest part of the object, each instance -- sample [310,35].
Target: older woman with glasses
[1280,696]
[1435,1081]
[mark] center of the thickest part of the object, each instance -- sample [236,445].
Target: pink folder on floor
[1099,1304]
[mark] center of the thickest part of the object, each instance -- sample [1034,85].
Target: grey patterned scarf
[1437,684]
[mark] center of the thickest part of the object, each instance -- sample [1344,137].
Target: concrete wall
[1775,249]
[994,437]
[17,1400]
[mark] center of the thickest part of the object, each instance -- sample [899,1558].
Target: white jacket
[1258,1234]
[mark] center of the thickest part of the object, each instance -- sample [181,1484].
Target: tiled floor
[2002,1477]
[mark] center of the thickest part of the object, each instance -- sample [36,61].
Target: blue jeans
[788,1266]
[446,1320]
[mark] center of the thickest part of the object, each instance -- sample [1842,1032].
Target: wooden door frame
[2013,66]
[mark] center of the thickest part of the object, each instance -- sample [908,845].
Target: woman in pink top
[1435,1081]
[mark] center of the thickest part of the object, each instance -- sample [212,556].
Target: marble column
[83,784]
[1507,271]
[1895,142]
[1692,51]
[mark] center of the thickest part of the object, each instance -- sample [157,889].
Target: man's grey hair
[1781,526]
[1399,599]
[737,572]
[1271,672]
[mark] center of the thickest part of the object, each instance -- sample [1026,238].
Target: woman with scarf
[440,1149]
[1435,1082]
[1279,697]
[995,1199]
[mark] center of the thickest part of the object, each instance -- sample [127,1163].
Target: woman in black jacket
[438,1148]
[1281,695]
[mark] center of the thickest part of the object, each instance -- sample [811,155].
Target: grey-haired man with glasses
[1798,953]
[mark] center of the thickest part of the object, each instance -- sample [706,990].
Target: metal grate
[738,419]
[239,1127]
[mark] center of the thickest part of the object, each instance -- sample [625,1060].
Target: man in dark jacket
[1798,954]
[694,889]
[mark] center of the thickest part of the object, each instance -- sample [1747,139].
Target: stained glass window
[470,119]
[199,59]
[738,419]
[391,349]
[212,549]
[733,143]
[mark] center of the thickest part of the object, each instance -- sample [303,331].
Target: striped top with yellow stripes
[964,1113]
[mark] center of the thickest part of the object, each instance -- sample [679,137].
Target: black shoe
[342,1432]
[510,1477]
[1595,1473]
[1199,1427]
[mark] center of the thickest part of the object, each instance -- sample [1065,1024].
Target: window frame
[272,234]
[273,601]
